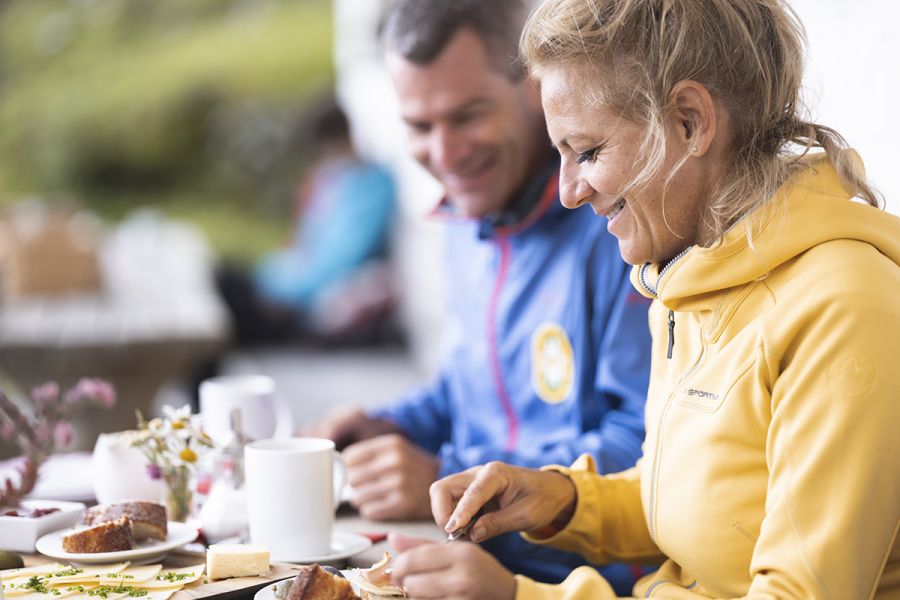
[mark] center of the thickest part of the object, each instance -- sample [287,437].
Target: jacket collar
[527,207]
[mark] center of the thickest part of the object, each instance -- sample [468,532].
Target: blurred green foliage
[190,105]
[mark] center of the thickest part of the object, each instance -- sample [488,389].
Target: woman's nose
[573,190]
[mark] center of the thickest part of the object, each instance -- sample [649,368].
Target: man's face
[479,133]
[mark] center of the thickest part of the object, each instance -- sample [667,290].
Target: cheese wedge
[236,560]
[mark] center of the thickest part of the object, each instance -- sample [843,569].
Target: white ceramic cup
[293,488]
[119,471]
[264,414]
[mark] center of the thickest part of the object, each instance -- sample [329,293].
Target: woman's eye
[588,155]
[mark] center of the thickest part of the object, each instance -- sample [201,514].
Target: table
[245,587]
[157,317]
[351,522]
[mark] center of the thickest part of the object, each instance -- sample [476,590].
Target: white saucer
[343,545]
[146,552]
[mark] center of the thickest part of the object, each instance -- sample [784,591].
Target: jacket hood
[811,208]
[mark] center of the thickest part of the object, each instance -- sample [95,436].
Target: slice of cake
[148,519]
[315,583]
[112,536]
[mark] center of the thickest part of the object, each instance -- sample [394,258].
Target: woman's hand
[514,499]
[459,570]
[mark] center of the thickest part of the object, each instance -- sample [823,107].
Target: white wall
[367,96]
[853,80]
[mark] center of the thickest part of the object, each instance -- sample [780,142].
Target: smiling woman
[773,385]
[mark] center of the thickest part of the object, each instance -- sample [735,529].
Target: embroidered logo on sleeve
[852,374]
[552,363]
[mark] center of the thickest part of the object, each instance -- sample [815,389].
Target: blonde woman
[771,465]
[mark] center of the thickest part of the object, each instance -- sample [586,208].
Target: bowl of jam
[21,526]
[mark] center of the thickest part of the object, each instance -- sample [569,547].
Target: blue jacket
[547,358]
[347,222]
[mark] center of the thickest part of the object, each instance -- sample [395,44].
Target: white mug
[264,414]
[119,471]
[293,489]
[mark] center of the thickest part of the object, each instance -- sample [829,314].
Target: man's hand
[349,426]
[459,570]
[514,499]
[390,477]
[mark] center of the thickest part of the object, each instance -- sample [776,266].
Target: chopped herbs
[37,583]
[172,577]
[105,590]
[67,572]
[43,584]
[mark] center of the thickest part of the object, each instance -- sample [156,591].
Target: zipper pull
[671,333]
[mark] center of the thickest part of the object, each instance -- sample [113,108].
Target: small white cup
[119,471]
[293,489]
[264,414]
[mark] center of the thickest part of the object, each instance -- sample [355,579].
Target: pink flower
[63,434]
[43,434]
[93,388]
[154,472]
[45,395]
[7,431]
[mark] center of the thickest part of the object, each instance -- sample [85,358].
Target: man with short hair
[548,344]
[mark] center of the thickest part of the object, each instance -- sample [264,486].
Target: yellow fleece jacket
[771,465]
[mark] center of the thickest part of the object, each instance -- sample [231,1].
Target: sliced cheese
[40,596]
[26,572]
[131,575]
[68,576]
[236,560]
[172,578]
[159,594]
[158,584]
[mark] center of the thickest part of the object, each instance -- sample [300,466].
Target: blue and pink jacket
[547,351]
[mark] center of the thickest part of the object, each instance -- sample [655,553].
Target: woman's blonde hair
[748,54]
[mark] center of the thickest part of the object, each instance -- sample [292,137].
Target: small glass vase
[179,495]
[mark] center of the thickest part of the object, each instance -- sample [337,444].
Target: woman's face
[601,154]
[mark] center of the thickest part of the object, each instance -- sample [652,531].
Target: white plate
[268,592]
[343,545]
[146,551]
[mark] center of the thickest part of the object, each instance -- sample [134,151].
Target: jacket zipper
[653,290]
[654,476]
[493,346]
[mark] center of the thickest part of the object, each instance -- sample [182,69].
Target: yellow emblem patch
[552,363]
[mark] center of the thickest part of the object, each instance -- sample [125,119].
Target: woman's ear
[694,115]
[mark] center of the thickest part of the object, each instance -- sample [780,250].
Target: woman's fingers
[445,494]
[417,556]
[462,571]
[402,543]
[490,481]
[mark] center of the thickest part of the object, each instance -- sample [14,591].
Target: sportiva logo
[702,394]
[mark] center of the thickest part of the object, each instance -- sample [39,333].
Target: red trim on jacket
[501,239]
[512,420]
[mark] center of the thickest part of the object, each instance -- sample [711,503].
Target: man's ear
[694,116]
